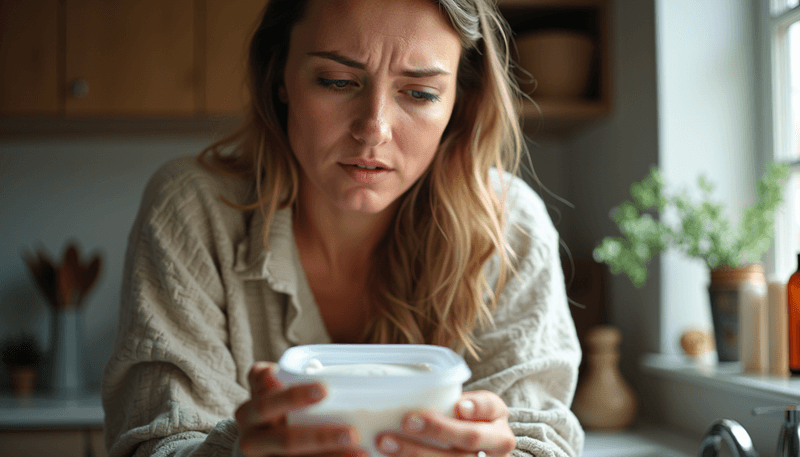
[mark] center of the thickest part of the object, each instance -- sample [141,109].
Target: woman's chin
[364,204]
[364,208]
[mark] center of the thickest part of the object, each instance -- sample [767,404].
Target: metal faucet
[734,434]
[739,441]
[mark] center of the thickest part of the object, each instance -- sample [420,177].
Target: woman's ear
[282,96]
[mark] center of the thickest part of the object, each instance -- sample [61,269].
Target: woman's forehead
[415,28]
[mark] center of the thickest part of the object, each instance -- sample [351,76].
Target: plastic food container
[372,386]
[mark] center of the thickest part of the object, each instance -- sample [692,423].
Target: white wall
[603,160]
[683,75]
[707,125]
[684,90]
[86,189]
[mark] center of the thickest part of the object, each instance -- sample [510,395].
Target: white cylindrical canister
[753,338]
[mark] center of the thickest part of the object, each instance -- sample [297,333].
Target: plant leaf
[43,273]
[68,280]
[89,277]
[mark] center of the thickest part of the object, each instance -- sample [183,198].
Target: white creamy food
[372,387]
[315,367]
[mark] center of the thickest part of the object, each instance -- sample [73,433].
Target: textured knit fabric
[202,300]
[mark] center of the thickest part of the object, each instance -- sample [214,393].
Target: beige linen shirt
[202,300]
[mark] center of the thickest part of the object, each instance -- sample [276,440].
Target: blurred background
[95,96]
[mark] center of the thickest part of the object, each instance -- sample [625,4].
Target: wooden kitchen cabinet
[139,58]
[130,58]
[60,442]
[45,425]
[228,29]
[184,61]
[29,41]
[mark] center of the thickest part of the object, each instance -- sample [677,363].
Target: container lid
[441,365]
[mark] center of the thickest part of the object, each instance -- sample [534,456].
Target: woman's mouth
[365,174]
[366,163]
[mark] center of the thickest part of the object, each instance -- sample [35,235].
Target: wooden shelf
[565,110]
[559,118]
[553,118]
[68,126]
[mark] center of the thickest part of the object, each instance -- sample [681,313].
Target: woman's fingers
[480,424]
[262,420]
[396,446]
[481,406]
[300,440]
[273,405]
[262,378]
[494,438]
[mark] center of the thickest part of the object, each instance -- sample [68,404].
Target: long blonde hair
[432,287]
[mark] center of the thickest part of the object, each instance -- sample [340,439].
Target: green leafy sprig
[702,230]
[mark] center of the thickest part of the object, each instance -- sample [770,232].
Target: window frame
[775,138]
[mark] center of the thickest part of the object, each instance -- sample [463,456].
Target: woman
[357,204]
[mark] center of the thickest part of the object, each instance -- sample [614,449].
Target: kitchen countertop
[641,440]
[43,411]
[86,411]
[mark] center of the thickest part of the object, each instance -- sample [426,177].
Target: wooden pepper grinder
[604,400]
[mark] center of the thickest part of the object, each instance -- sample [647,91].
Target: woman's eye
[335,84]
[424,97]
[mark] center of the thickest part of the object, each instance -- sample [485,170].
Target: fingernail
[344,439]
[466,408]
[315,393]
[388,445]
[415,423]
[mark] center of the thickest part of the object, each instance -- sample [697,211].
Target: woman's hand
[262,420]
[480,425]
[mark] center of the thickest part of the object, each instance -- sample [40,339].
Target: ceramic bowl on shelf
[559,61]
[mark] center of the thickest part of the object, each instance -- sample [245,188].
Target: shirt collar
[280,266]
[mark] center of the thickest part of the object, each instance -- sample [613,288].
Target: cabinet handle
[79,88]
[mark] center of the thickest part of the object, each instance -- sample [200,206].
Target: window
[782,27]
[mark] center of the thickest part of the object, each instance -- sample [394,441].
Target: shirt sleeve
[530,357]
[170,386]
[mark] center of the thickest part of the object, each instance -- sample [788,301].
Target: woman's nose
[372,126]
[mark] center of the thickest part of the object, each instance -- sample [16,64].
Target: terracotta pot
[560,62]
[728,288]
[23,380]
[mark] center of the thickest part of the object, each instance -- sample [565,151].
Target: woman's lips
[364,162]
[365,176]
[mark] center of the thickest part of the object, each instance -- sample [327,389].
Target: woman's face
[370,86]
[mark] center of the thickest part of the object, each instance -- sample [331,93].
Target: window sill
[690,395]
[726,376]
[641,440]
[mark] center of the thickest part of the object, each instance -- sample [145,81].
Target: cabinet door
[135,57]
[61,443]
[29,80]
[229,26]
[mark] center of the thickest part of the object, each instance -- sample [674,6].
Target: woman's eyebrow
[336,57]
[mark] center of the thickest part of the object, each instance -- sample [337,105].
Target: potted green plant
[21,356]
[700,230]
